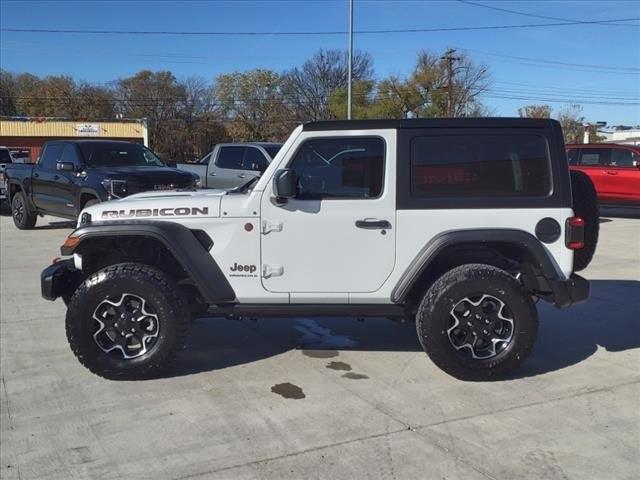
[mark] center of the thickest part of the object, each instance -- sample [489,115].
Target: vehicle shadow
[56,225]
[566,337]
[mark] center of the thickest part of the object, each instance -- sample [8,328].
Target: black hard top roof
[481,122]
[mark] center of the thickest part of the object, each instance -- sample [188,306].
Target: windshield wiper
[243,188]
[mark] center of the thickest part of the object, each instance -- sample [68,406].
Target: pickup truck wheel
[127,322]
[476,322]
[23,218]
[585,206]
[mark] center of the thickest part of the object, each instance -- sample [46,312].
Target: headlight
[115,188]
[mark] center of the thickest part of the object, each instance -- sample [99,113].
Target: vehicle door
[593,161]
[255,162]
[338,233]
[44,175]
[64,187]
[225,170]
[622,175]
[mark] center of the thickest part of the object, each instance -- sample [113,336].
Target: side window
[254,160]
[480,166]
[70,154]
[51,155]
[621,157]
[230,157]
[573,155]
[595,157]
[350,167]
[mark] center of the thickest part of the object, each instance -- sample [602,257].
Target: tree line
[186,117]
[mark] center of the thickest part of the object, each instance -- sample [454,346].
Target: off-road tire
[138,279]
[433,321]
[23,218]
[585,206]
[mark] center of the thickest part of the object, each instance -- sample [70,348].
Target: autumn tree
[254,105]
[535,111]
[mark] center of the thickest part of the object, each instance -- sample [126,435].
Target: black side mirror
[285,183]
[65,166]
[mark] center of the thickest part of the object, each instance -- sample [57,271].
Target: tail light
[574,233]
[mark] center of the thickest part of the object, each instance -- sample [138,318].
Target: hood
[146,174]
[165,205]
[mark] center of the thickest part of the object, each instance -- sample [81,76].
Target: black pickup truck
[72,174]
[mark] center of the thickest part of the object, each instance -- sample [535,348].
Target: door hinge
[268,227]
[272,271]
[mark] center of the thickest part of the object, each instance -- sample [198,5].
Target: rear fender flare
[544,262]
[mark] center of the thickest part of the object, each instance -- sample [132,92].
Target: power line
[545,17]
[324,32]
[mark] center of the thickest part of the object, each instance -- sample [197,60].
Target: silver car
[231,165]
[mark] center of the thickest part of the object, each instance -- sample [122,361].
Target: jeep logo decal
[239,270]
[155,212]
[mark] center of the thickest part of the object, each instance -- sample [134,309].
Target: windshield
[119,155]
[5,156]
[272,150]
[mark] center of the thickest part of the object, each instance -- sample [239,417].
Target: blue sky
[100,58]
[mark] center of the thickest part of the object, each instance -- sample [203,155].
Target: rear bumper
[569,292]
[59,280]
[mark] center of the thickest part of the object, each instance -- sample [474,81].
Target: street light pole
[350,73]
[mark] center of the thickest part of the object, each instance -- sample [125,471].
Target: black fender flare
[429,253]
[183,244]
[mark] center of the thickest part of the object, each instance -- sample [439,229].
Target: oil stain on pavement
[355,376]
[320,353]
[339,366]
[288,390]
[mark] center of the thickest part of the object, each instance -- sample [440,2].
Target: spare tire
[585,206]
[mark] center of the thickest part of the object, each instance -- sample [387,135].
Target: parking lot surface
[322,398]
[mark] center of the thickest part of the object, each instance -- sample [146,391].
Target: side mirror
[285,184]
[65,166]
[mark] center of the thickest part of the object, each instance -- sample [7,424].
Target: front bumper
[569,292]
[59,280]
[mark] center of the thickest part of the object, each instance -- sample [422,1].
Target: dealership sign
[88,129]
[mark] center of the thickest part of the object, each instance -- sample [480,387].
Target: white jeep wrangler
[462,224]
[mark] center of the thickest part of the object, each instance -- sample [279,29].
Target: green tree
[535,111]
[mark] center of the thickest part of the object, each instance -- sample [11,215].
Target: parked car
[339,225]
[5,159]
[232,165]
[614,170]
[73,174]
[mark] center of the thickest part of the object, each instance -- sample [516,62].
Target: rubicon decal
[156,212]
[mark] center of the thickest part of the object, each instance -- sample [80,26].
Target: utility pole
[449,58]
[350,68]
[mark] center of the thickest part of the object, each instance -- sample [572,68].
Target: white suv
[461,224]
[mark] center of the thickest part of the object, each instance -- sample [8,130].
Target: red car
[614,170]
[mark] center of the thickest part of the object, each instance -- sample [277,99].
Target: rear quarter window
[480,166]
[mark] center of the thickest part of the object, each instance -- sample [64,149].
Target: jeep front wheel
[127,321]
[476,322]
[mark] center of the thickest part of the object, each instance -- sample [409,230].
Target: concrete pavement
[364,400]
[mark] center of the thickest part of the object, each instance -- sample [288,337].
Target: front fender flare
[188,251]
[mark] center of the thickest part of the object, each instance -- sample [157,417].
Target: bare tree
[535,111]
[309,87]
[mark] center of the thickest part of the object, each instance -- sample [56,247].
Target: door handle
[36,175]
[610,172]
[372,224]
[241,175]
[212,174]
[56,177]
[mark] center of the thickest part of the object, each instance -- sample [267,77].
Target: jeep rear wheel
[23,218]
[476,322]
[127,321]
